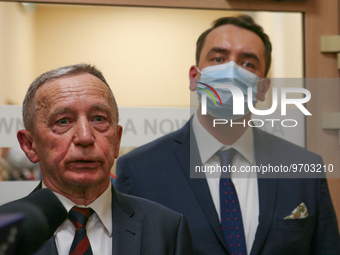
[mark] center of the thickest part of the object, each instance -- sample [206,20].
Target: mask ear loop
[261,80]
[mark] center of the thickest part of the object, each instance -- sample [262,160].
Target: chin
[88,180]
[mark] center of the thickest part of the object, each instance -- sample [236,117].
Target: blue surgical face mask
[229,73]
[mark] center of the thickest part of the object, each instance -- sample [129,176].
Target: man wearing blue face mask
[231,215]
[234,79]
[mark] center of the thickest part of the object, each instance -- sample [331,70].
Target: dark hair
[28,108]
[242,21]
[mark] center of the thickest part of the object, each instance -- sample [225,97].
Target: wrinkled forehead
[81,86]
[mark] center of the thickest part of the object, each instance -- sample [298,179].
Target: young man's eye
[248,65]
[218,60]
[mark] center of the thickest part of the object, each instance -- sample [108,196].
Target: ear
[25,139]
[262,88]
[119,137]
[193,73]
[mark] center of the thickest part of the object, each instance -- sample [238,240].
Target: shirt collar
[102,206]
[209,145]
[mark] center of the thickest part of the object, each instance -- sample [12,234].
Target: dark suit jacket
[159,171]
[140,226]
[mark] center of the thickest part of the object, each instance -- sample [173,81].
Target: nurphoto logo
[239,104]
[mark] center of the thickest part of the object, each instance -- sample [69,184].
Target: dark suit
[141,227]
[159,171]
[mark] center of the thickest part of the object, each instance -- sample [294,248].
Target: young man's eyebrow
[250,55]
[217,50]
[226,51]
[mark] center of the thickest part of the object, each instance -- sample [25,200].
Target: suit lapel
[199,186]
[49,247]
[267,188]
[126,233]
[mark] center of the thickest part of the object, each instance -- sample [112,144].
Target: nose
[83,133]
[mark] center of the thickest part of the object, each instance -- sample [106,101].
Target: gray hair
[28,109]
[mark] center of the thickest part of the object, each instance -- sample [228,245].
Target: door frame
[320,17]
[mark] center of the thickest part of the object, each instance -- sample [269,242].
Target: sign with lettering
[10,123]
[142,125]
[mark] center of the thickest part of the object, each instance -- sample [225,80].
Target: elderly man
[231,215]
[71,121]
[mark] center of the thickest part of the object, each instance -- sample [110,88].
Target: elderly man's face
[76,137]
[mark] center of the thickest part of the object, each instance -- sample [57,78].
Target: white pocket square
[299,212]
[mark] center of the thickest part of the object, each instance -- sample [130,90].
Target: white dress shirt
[245,183]
[98,228]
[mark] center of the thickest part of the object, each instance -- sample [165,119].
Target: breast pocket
[296,223]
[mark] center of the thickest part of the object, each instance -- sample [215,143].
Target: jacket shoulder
[164,143]
[279,144]
[148,210]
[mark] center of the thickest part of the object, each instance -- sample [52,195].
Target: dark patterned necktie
[81,244]
[231,217]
